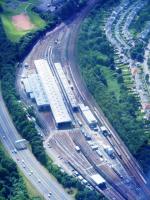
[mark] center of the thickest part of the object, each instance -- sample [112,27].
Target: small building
[94,147]
[77,148]
[21,144]
[38,93]
[110,152]
[80,177]
[91,143]
[99,181]
[87,136]
[88,116]
[32,97]
[27,87]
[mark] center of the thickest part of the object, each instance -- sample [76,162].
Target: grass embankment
[33,193]
[112,85]
[12,186]
[9,11]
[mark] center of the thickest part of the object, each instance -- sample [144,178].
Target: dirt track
[22,22]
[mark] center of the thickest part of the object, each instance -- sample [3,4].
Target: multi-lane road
[32,169]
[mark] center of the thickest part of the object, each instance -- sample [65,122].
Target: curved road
[36,173]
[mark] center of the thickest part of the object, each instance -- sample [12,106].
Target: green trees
[137,53]
[12,186]
[88,195]
[147,78]
[1,9]
[109,89]
[70,8]
[148,62]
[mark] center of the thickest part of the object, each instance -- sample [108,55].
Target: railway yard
[76,134]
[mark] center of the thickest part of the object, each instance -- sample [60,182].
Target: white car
[15,150]
[49,194]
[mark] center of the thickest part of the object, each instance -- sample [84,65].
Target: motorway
[32,169]
[63,50]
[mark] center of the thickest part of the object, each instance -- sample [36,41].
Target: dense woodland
[10,57]
[67,10]
[12,186]
[106,83]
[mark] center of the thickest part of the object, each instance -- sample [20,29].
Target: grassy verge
[33,193]
[12,184]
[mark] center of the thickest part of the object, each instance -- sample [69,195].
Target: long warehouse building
[66,86]
[57,105]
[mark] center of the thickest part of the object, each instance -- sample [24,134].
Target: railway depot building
[67,88]
[88,115]
[43,89]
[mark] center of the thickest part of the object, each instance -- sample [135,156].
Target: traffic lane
[33,171]
[47,178]
[18,157]
[34,177]
[12,134]
[30,163]
[25,165]
[9,145]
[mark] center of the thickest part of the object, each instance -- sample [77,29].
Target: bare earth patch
[22,22]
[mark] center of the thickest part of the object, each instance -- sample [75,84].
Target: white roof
[80,177]
[66,85]
[91,143]
[88,114]
[103,128]
[26,85]
[32,95]
[37,89]
[52,91]
[97,179]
